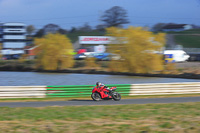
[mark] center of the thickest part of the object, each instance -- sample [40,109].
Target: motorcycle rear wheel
[96,96]
[116,96]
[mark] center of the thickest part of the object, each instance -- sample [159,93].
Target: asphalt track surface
[103,102]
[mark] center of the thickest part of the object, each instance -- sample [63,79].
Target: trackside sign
[95,39]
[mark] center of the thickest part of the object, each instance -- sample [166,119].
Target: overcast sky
[75,13]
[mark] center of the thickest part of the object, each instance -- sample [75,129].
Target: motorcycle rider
[101,86]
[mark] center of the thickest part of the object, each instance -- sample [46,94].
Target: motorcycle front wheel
[116,96]
[96,96]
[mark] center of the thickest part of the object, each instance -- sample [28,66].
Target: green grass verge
[188,41]
[192,31]
[182,117]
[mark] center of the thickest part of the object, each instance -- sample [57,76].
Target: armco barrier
[81,90]
[165,88]
[86,90]
[22,91]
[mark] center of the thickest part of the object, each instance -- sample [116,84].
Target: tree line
[115,16]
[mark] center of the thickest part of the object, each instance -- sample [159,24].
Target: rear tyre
[96,96]
[116,96]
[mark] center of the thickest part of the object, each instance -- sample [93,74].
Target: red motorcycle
[105,93]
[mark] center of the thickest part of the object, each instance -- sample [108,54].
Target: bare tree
[116,16]
[100,28]
[50,28]
[86,28]
[30,29]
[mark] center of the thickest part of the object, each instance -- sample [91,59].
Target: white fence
[22,91]
[165,88]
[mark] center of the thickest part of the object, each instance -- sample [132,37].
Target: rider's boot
[109,96]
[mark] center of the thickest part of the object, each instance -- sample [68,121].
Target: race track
[103,102]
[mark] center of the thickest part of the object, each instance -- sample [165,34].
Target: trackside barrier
[22,91]
[82,90]
[86,90]
[165,88]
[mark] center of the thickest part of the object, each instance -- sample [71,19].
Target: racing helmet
[98,83]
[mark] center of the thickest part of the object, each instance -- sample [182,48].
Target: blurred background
[53,52]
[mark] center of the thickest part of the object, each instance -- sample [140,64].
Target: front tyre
[116,96]
[96,96]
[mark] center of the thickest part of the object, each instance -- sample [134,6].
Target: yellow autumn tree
[90,63]
[54,52]
[139,50]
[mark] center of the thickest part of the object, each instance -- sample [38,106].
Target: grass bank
[192,31]
[188,41]
[184,117]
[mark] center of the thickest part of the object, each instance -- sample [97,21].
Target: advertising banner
[95,39]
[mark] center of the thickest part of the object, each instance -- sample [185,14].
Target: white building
[13,35]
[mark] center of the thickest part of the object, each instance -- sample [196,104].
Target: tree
[62,31]
[50,28]
[54,52]
[40,33]
[138,50]
[73,29]
[86,28]
[30,29]
[116,16]
[100,28]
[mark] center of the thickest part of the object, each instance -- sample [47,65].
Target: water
[35,78]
